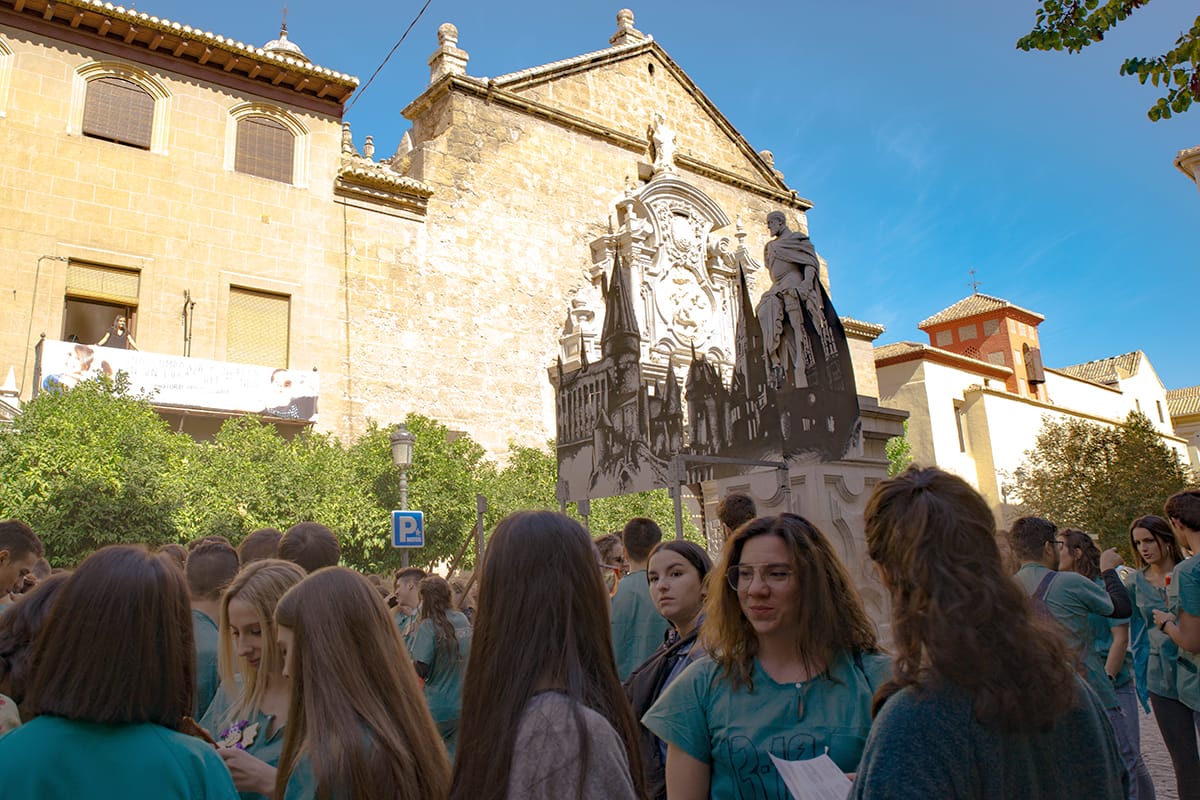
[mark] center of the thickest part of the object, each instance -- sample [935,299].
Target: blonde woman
[248,715]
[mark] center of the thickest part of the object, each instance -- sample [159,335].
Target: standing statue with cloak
[804,343]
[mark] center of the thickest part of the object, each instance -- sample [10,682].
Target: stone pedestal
[830,495]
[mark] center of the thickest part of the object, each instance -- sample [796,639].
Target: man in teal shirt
[211,566]
[1070,598]
[408,601]
[637,627]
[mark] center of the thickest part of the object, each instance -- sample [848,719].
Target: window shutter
[119,111]
[103,283]
[257,329]
[264,148]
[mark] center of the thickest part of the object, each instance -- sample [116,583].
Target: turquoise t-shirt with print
[207,643]
[1163,653]
[1071,598]
[252,731]
[637,627]
[443,683]
[1183,594]
[736,730]
[52,757]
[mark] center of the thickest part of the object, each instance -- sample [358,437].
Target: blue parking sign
[408,529]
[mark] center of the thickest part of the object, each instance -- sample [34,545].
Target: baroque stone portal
[668,290]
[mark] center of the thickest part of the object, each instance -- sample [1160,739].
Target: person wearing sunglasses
[793,664]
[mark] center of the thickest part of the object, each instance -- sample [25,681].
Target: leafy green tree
[1072,25]
[1098,478]
[90,467]
[899,452]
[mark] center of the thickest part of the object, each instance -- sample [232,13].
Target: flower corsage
[239,735]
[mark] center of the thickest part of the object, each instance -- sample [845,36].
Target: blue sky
[928,144]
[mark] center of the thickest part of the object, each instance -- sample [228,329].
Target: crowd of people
[627,666]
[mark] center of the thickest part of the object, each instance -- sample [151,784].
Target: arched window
[6,57]
[120,111]
[120,103]
[266,148]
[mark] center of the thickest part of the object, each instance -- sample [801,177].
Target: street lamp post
[402,448]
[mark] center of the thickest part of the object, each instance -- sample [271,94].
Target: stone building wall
[453,309]
[519,195]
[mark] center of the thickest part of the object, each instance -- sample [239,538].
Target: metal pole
[404,507]
[480,510]
[677,494]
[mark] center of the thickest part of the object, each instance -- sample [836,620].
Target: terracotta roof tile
[1107,370]
[970,306]
[1184,402]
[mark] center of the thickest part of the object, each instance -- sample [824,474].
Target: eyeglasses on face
[774,575]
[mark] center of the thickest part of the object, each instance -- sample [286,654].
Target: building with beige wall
[1184,405]
[208,190]
[977,411]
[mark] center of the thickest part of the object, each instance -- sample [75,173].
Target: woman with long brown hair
[249,712]
[793,663]
[1156,553]
[543,714]
[357,725]
[439,647]
[982,682]
[111,687]
[677,572]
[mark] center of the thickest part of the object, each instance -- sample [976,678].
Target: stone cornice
[375,182]
[856,327]
[143,38]
[489,91]
[1188,162]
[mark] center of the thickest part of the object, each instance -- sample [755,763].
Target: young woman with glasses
[985,703]
[793,664]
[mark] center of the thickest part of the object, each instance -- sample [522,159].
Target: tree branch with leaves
[1072,25]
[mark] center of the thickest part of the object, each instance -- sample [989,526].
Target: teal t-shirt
[928,745]
[207,678]
[443,684]
[1162,653]
[1071,598]
[736,731]
[1183,594]
[637,627]
[252,732]
[52,757]
[406,624]
[1102,638]
[301,784]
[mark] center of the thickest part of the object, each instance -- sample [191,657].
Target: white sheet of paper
[813,779]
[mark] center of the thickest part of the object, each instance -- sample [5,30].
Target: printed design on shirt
[752,768]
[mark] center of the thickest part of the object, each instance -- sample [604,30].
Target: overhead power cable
[396,47]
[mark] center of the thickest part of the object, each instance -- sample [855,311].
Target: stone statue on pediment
[662,144]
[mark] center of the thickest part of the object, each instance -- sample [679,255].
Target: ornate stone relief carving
[683,270]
